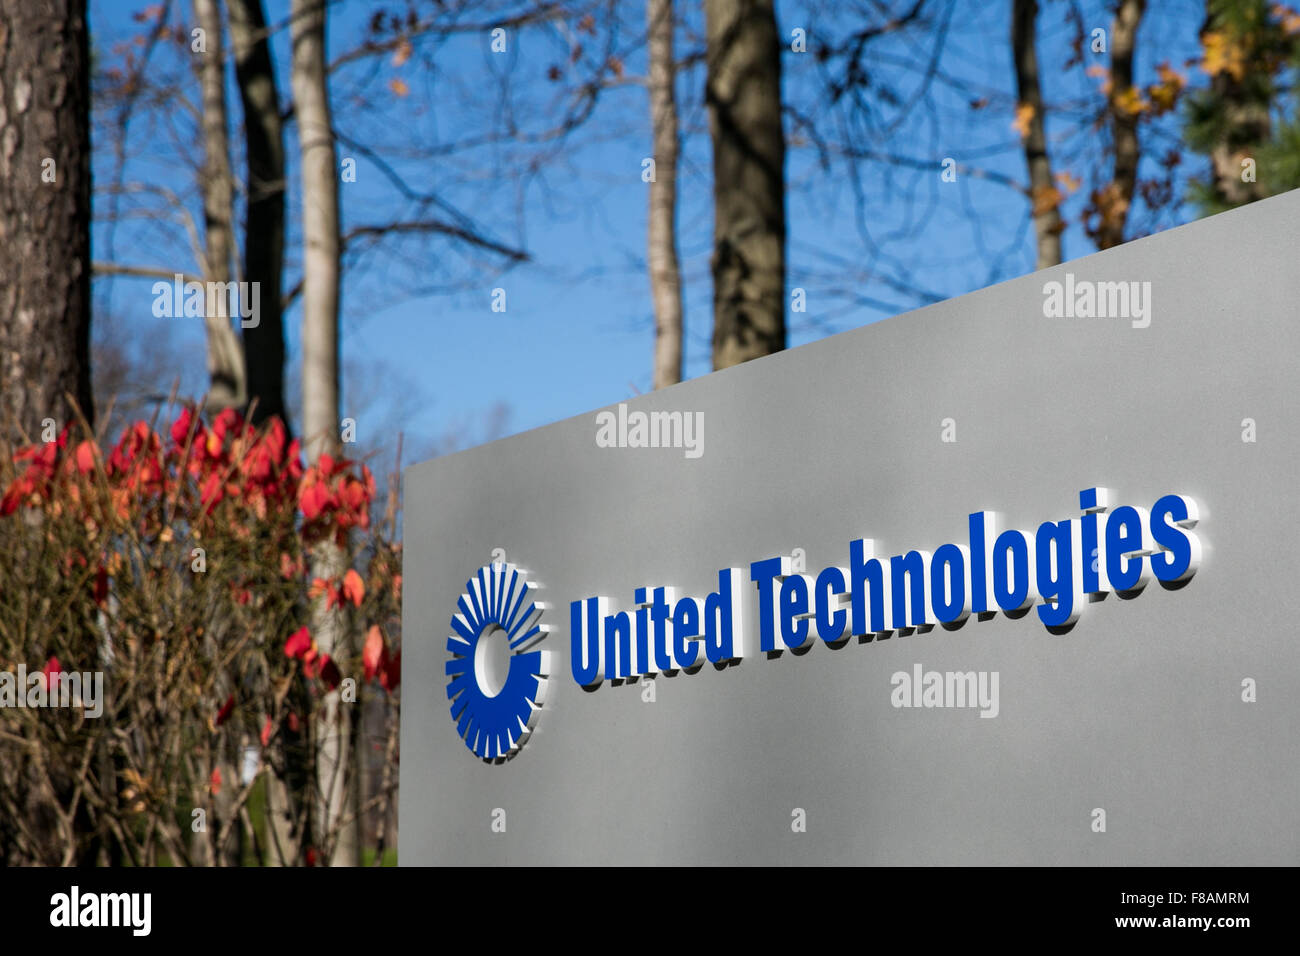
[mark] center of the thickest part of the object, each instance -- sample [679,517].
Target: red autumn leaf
[213,492]
[311,856]
[314,497]
[51,670]
[329,672]
[274,440]
[322,666]
[329,466]
[352,495]
[101,585]
[294,723]
[229,422]
[180,429]
[14,495]
[321,586]
[215,780]
[298,644]
[294,454]
[135,439]
[374,656]
[259,465]
[86,457]
[392,674]
[354,589]
[224,713]
[266,732]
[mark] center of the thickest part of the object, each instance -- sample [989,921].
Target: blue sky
[865,243]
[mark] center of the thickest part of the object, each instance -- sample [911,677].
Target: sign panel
[1001,581]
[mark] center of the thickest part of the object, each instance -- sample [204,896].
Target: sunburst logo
[497,676]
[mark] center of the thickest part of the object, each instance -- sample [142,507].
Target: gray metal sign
[1128,694]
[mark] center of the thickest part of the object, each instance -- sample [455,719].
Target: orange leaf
[398,87]
[86,457]
[1130,101]
[1024,115]
[1101,73]
[374,656]
[1222,55]
[354,589]
[1290,19]
[1045,199]
[1069,182]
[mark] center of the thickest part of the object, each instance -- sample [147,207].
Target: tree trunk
[264,231]
[225,361]
[1115,206]
[1044,196]
[665,271]
[743,91]
[1246,123]
[320,386]
[320,231]
[44,215]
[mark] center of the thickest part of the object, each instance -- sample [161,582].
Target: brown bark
[665,270]
[264,231]
[1044,196]
[743,91]
[44,226]
[1118,197]
[225,360]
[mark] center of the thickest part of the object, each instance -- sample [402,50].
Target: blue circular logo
[498,611]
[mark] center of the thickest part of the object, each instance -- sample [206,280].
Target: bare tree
[1044,196]
[1116,198]
[264,232]
[44,213]
[665,268]
[320,383]
[225,361]
[743,92]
